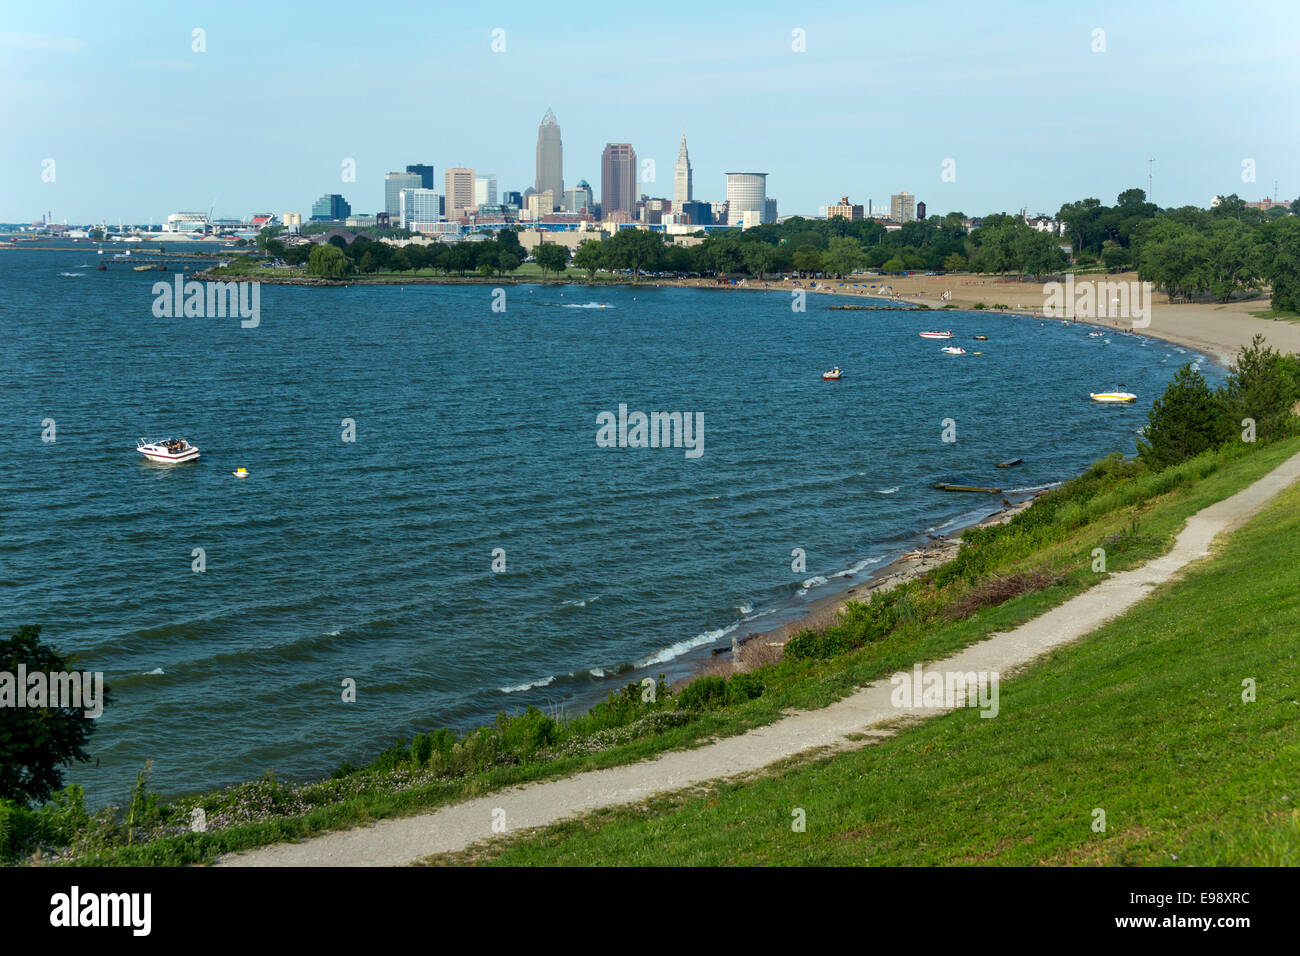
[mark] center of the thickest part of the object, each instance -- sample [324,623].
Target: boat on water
[833,375]
[167,451]
[953,350]
[936,335]
[1095,335]
[981,338]
[1114,398]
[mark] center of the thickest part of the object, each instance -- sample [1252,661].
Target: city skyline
[136,124]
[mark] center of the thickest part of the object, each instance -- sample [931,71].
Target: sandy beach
[1217,329]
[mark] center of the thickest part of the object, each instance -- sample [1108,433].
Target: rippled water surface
[475,431]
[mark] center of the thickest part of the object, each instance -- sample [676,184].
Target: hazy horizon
[1015,103]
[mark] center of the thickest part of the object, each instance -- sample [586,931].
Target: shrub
[421,749]
[1263,385]
[707,691]
[979,305]
[528,732]
[743,687]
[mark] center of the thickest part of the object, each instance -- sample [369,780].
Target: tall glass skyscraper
[550,158]
[425,173]
[618,185]
[394,183]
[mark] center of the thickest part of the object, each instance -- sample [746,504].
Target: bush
[979,305]
[1264,386]
[707,691]
[528,732]
[743,687]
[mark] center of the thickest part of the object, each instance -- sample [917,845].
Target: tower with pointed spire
[682,187]
[550,158]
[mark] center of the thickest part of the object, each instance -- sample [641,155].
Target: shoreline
[1216,330]
[764,645]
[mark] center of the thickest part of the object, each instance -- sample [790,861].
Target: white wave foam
[887,491]
[156,672]
[859,567]
[815,581]
[744,609]
[597,672]
[72,274]
[588,305]
[681,647]
[529,686]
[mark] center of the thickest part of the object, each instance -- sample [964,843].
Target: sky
[109,112]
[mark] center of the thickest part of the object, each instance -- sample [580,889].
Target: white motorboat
[833,375]
[936,335]
[1113,397]
[953,350]
[168,451]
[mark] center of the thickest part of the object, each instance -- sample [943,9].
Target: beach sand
[1219,330]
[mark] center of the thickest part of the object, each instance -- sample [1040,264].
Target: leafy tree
[1280,262]
[808,260]
[1182,423]
[590,255]
[36,742]
[954,263]
[507,261]
[551,257]
[843,256]
[399,262]
[635,249]
[327,262]
[759,257]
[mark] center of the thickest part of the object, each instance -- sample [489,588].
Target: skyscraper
[394,183]
[425,173]
[682,185]
[902,207]
[550,158]
[459,193]
[746,193]
[485,190]
[618,178]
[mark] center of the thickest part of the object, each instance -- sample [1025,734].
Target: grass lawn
[1144,720]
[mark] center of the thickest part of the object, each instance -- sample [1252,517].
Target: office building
[419,205]
[579,198]
[329,208]
[902,207]
[394,183]
[459,194]
[618,183]
[425,173]
[844,210]
[682,177]
[485,190]
[550,158]
[746,193]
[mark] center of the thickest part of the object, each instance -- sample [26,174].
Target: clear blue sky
[139,125]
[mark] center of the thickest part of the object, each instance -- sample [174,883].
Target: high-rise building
[682,185]
[618,185]
[844,210]
[541,204]
[425,173]
[330,207]
[394,183]
[485,190]
[746,193]
[902,207]
[579,198]
[513,198]
[920,210]
[694,213]
[769,209]
[550,158]
[460,192]
[419,205]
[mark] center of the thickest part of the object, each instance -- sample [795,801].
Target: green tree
[954,263]
[551,257]
[1182,423]
[327,261]
[37,742]
[590,255]
[399,261]
[635,249]
[844,255]
[1261,386]
[759,257]
[808,260]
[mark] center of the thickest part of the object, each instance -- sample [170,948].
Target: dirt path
[401,841]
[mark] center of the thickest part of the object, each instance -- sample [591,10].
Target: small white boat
[1113,397]
[168,451]
[240,472]
[936,335]
[833,375]
[953,350]
[1095,335]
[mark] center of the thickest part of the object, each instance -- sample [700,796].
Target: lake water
[476,430]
